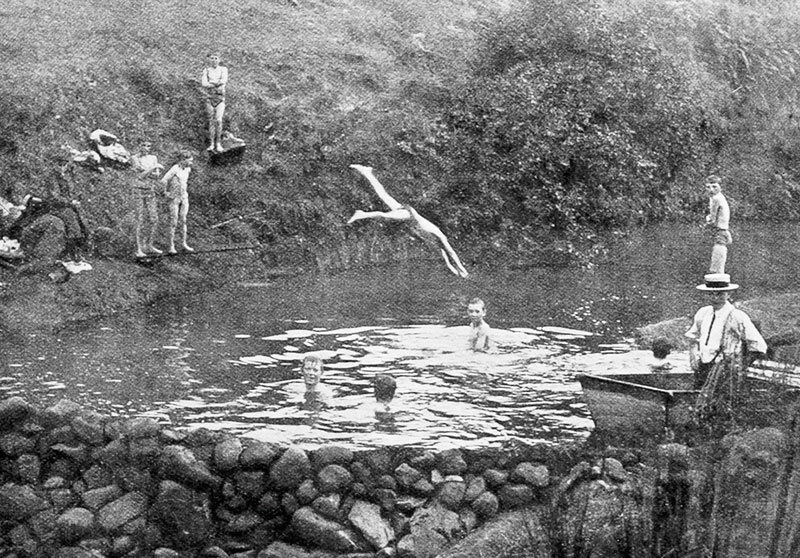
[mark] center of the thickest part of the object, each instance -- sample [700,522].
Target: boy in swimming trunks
[175,183]
[479,330]
[214,80]
[148,169]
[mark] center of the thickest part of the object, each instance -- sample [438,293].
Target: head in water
[312,371]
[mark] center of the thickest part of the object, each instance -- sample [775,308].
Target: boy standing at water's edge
[718,219]
[479,330]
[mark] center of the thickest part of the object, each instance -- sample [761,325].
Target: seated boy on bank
[479,330]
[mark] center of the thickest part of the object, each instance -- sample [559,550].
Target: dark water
[230,359]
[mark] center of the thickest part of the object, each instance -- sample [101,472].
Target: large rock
[451,493]
[515,495]
[179,464]
[334,478]
[332,455]
[366,517]
[534,475]
[258,455]
[433,529]
[284,550]
[182,514]
[517,533]
[291,468]
[19,502]
[119,512]
[407,475]
[13,411]
[15,444]
[74,524]
[99,497]
[61,413]
[226,454]
[313,530]
[141,427]
[486,505]
[451,462]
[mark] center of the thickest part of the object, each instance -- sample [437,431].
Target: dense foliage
[503,121]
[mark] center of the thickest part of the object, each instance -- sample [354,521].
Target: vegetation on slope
[502,121]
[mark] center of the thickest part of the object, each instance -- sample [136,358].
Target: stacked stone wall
[75,484]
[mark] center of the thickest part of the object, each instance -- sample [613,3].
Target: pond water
[230,359]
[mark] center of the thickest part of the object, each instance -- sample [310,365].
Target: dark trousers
[701,374]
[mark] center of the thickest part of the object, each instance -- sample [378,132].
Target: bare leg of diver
[392,203]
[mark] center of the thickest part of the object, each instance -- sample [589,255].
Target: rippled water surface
[230,359]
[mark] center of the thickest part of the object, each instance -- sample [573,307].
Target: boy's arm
[204,80]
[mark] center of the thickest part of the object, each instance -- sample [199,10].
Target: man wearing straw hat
[720,332]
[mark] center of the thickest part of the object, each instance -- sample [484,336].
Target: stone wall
[77,485]
[74,484]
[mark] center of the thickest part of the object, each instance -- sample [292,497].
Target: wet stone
[332,455]
[534,475]
[61,413]
[486,505]
[29,468]
[88,428]
[258,455]
[117,513]
[141,427]
[19,502]
[226,454]
[515,495]
[291,469]
[250,484]
[328,506]
[406,475]
[475,487]
[451,462]
[13,411]
[306,492]
[334,478]
[495,477]
[15,444]
[97,498]
[74,524]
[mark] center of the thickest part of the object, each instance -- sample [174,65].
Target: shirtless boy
[175,183]
[479,330]
[214,80]
[148,170]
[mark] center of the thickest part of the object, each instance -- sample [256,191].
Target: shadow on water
[230,359]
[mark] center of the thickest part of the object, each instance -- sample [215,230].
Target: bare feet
[172,251]
[356,216]
[153,250]
[140,254]
[188,248]
[219,148]
[210,147]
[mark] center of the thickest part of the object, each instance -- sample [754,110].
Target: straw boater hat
[717,282]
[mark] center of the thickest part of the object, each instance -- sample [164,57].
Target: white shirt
[723,331]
